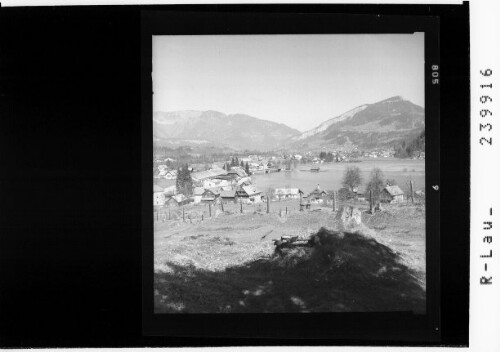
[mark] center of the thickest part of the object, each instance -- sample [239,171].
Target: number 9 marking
[485,112]
[484,99]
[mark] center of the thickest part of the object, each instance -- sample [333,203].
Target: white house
[197,194]
[171,175]
[287,193]
[158,196]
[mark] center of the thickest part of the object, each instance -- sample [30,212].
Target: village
[231,182]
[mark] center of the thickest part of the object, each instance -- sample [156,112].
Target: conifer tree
[178,181]
[188,181]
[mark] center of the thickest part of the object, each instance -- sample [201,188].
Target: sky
[298,80]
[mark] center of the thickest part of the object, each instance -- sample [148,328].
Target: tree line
[236,162]
[407,148]
[353,179]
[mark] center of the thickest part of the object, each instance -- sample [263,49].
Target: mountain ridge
[374,125]
[380,124]
[237,131]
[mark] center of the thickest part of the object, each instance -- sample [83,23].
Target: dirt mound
[342,271]
[336,249]
[357,263]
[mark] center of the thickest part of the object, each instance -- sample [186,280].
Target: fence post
[183,218]
[411,190]
[210,208]
[268,204]
[286,210]
[371,202]
[201,217]
[168,213]
[334,201]
[222,205]
[241,206]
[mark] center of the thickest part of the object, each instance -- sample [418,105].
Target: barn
[249,194]
[210,195]
[392,194]
[178,200]
[228,196]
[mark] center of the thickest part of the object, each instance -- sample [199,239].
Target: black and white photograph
[289,173]
[323,175]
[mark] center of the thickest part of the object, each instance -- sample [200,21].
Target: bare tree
[352,177]
[376,183]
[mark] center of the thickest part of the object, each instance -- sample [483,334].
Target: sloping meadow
[339,271]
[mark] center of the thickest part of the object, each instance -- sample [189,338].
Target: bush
[345,194]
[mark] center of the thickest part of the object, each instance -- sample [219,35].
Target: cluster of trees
[236,162]
[328,157]
[184,182]
[353,179]
[407,148]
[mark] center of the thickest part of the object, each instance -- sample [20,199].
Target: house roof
[244,181]
[212,173]
[251,190]
[198,191]
[214,190]
[317,191]
[164,183]
[238,170]
[228,194]
[157,188]
[394,190]
[179,197]
[170,190]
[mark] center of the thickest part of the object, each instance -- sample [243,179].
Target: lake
[331,174]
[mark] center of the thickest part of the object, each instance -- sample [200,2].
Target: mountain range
[236,131]
[366,126]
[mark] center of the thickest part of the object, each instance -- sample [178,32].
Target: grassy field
[227,263]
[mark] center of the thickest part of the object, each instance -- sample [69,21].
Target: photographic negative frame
[338,328]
